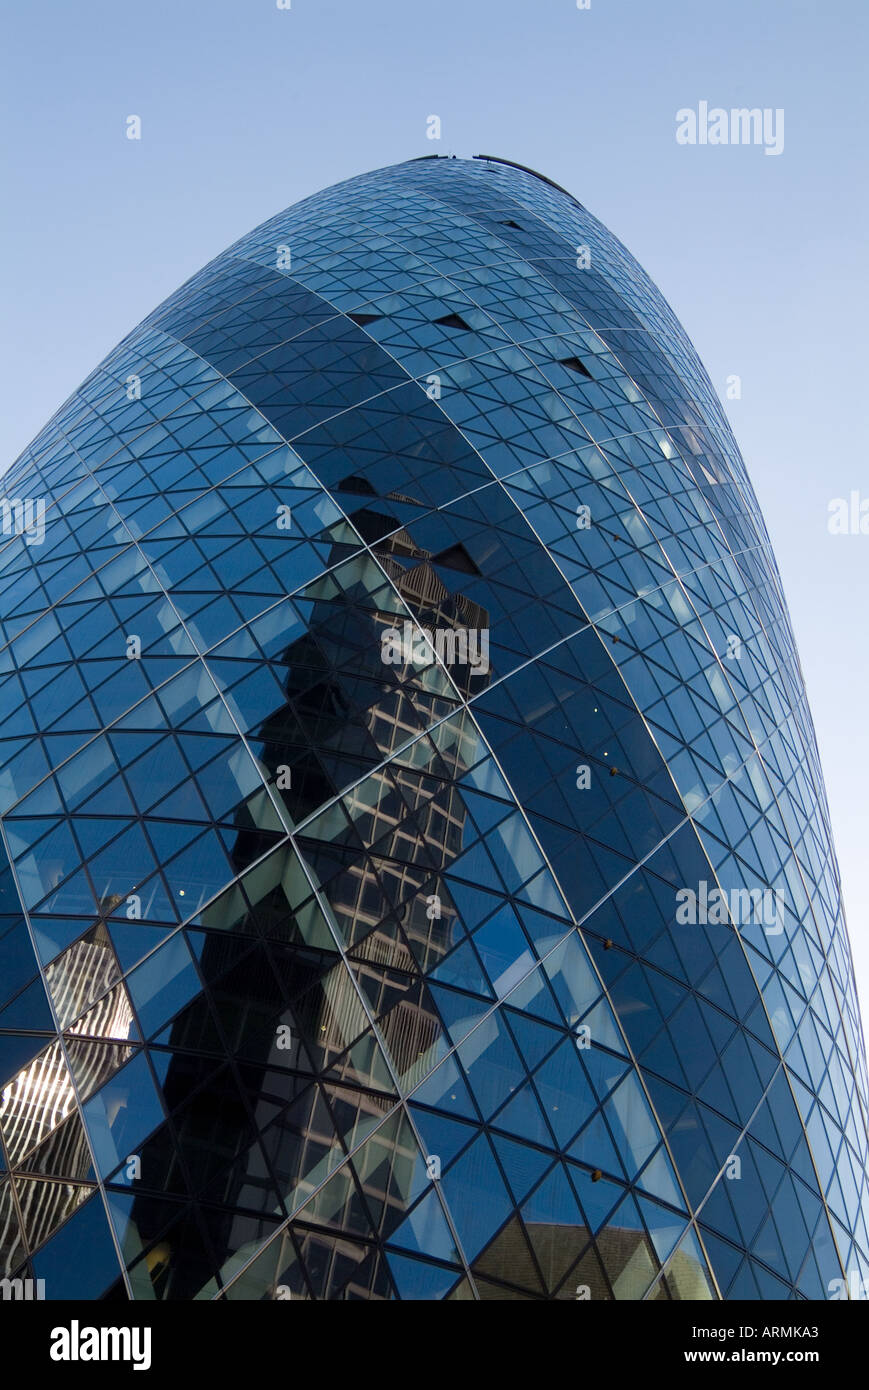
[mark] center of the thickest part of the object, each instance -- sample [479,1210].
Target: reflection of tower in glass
[43,1136]
[389,906]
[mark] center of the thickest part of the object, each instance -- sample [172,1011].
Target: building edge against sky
[417,875]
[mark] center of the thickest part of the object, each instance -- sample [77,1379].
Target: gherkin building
[391,647]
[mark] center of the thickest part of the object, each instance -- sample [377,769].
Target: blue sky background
[247,108]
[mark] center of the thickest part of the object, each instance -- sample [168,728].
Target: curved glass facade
[417,880]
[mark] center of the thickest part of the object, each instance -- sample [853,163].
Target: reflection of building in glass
[327,976]
[42,1134]
[417,827]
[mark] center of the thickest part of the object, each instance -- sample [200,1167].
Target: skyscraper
[417,880]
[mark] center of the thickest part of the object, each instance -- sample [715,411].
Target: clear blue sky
[247,108]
